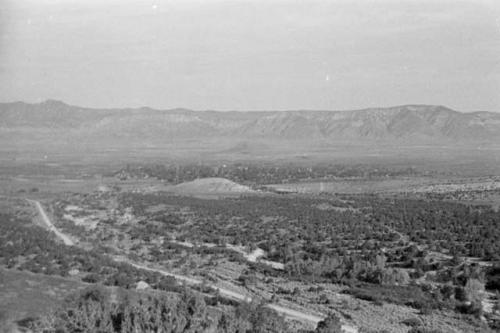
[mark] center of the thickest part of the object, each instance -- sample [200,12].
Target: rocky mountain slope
[409,124]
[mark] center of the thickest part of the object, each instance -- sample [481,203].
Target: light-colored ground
[45,219]
[255,256]
[210,185]
[393,185]
[305,309]
[294,314]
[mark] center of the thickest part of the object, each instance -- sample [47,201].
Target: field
[375,248]
[403,185]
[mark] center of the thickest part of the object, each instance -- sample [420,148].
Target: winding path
[45,219]
[287,312]
[234,295]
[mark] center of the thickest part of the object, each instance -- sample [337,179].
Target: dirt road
[230,293]
[49,225]
[287,312]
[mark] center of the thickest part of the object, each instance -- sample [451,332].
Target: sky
[251,54]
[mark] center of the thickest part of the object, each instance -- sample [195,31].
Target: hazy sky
[255,54]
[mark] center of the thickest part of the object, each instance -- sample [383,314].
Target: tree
[330,324]
[474,291]
[227,324]
[265,320]
[496,306]
[91,311]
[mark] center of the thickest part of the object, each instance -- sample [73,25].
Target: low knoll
[211,185]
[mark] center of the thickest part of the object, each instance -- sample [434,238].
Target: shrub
[330,324]
[421,329]
[91,311]
[91,278]
[412,296]
[473,308]
[120,280]
[412,322]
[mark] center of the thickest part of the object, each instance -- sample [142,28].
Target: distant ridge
[408,124]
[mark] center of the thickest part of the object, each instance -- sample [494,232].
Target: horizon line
[56,101]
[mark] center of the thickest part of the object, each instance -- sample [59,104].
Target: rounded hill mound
[212,185]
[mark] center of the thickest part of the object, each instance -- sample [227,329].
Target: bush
[475,309]
[167,283]
[412,322]
[421,329]
[91,311]
[412,296]
[91,278]
[330,325]
[323,299]
[120,280]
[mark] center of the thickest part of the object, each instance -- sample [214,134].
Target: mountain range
[53,121]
